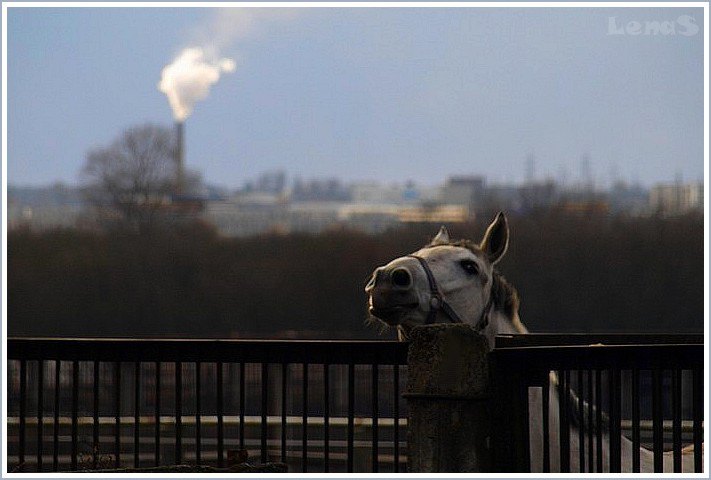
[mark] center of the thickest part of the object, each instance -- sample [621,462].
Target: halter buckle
[435,303]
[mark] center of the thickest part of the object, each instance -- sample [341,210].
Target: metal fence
[647,387]
[78,404]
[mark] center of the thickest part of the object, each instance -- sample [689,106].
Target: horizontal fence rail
[84,404]
[586,403]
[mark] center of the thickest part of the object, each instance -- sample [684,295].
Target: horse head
[448,281]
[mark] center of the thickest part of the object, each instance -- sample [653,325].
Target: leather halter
[437,301]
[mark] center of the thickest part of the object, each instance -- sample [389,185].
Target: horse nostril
[401,277]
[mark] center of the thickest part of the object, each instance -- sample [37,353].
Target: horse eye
[470,266]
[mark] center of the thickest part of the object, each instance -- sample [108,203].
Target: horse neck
[501,324]
[506,325]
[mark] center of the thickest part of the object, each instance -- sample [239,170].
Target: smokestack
[179,160]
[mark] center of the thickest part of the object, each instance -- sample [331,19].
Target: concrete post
[447,393]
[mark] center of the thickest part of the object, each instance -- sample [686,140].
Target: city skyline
[367,94]
[569,179]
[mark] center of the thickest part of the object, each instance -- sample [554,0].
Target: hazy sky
[381,94]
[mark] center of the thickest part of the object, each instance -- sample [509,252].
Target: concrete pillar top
[448,360]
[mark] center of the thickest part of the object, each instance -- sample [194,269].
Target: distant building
[328,190]
[238,219]
[56,194]
[271,182]
[377,193]
[233,218]
[538,195]
[502,197]
[43,217]
[411,192]
[369,218]
[629,199]
[467,191]
[42,208]
[676,199]
[437,214]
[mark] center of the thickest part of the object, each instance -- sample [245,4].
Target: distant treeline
[573,273]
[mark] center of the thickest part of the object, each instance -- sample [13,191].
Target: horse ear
[496,239]
[442,237]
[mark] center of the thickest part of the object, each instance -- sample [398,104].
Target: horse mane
[505,295]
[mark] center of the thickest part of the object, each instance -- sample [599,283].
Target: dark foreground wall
[574,274]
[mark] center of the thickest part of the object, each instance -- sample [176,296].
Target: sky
[368,94]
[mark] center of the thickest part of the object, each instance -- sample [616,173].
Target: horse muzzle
[391,294]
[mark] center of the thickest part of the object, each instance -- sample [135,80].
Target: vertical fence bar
[591,426]
[615,417]
[545,400]
[657,420]
[636,433]
[242,404]
[305,418]
[284,378]
[40,413]
[156,414]
[581,423]
[265,402]
[697,414]
[676,422]
[521,412]
[117,418]
[57,387]
[198,414]
[95,444]
[396,418]
[23,414]
[75,412]
[178,413]
[563,379]
[598,418]
[220,413]
[374,416]
[326,417]
[136,413]
[351,407]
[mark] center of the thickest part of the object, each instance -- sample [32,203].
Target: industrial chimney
[179,160]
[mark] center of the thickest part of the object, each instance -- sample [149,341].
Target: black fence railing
[587,403]
[336,406]
[80,404]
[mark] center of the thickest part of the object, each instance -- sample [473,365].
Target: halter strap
[437,301]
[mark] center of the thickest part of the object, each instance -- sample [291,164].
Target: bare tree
[131,182]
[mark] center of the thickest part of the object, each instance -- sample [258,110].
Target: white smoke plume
[188,79]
